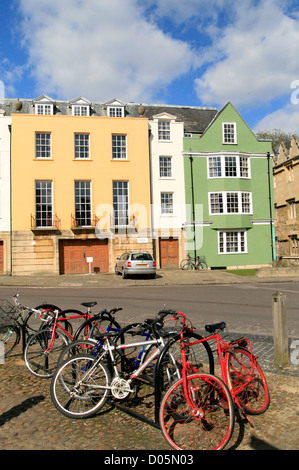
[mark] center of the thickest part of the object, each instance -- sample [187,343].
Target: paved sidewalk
[164,277]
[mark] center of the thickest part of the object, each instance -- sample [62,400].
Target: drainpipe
[270,207]
[152,227]
[193,205]
[10,202]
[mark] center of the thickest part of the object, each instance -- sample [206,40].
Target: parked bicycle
[43,349]
[20,322]
[82,384]
[193,263]
[198,410]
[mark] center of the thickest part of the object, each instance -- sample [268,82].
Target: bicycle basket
[8,312]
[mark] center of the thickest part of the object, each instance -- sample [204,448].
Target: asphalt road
[246,308]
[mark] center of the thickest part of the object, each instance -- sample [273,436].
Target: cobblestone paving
[28,419]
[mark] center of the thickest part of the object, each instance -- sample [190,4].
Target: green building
[229,194]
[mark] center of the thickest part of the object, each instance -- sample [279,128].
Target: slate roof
[196,118]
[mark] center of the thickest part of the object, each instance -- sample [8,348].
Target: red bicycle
[43,349]
[198,410]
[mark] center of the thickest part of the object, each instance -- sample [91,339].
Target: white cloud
[256,56]
[100,49]
[286,119]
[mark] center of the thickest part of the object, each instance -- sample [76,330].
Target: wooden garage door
[169,252]
[1,257]
[73,256]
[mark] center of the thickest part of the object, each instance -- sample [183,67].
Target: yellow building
[80,191]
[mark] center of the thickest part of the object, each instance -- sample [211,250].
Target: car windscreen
[141,257]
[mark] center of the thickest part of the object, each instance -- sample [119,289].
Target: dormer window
[80,110]
[164,122]
[43,105]
[80,107]
[115,108]
[115,111]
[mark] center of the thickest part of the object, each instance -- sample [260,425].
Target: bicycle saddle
[215,326]
[89,304]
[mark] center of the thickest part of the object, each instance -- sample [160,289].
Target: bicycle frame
[222,348]
[57,325]
[109,348]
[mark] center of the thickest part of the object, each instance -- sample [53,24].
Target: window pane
[165,167]
[42,145]
[43,203]
[121,202]
[214,167]
[216,203]
[81,145]
[244,167]
[164,130]
[83,203]
[230,166]
[229,133]
[119,146]
[232,203]
[166,203]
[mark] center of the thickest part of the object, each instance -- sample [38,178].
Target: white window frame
[167,206]
[164,130]
[223,242]
[82,147]
[115,111]
[45,205]
[224,200]
[119,147]
[43,148]
[165,165]
[82,193]
[120,195]
[217,166]
[227,132]
[80,110]
[47,109]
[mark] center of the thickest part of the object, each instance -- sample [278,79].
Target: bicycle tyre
[85,400]
[85,346]
[202,265]
[10,336]
[244,373]
[185,264]
[205,424]
[98,324]
[40,361]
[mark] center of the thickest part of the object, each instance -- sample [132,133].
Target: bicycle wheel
[202,420]
[79,387]
[247,381]
[96,325]
[42,352]
[84,346]
[10,337]
[186,264]
[202,265]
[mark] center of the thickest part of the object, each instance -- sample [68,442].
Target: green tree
[276,136]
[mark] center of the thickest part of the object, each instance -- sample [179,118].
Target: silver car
[135,262]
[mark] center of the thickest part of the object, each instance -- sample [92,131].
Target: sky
[178,52]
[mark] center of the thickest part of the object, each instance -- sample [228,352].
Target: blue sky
[184,52]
